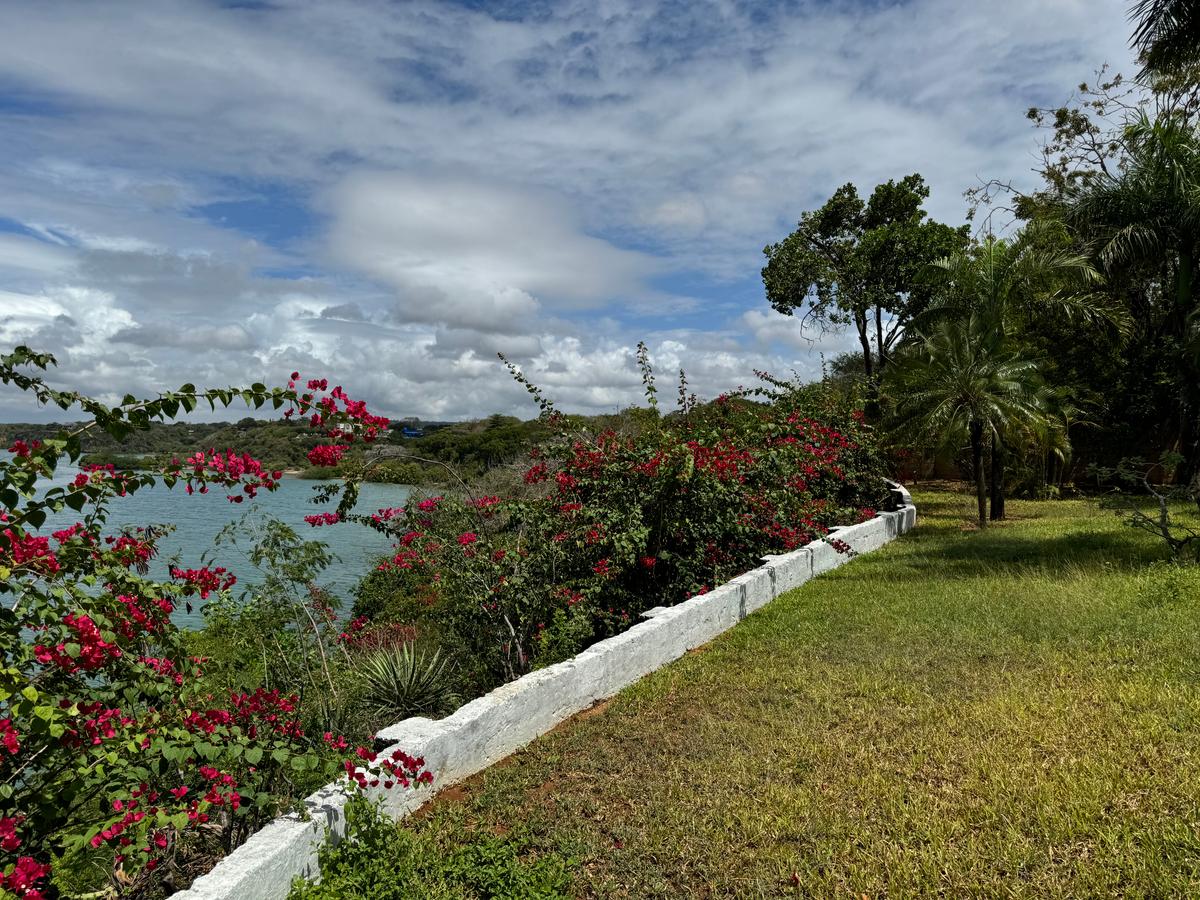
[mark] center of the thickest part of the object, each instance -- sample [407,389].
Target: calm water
[198,518]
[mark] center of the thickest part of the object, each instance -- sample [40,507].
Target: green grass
[1009,713]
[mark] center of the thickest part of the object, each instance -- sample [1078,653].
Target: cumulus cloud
[392,193]
[471,252]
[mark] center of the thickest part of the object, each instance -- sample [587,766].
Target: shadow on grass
[980,554]
[1030,543]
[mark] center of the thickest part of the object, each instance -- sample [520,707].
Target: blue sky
[387,194]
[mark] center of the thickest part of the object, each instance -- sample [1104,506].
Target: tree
[961,383]
[1008,286]
[1147,213]
[858,263]
[1167,35]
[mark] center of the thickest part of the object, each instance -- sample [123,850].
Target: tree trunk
[977,471]
[879,338]
[997,479]
[864,340]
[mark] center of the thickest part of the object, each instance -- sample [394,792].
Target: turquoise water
[198,518]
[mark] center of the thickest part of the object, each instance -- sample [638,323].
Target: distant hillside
[470,448]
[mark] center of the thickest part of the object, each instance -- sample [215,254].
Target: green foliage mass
[379,860]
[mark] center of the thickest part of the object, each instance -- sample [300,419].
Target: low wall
[494,726]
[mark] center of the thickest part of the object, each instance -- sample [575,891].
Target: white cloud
[549,188]
[469,252]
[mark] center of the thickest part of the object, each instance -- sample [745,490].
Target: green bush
[600,526]
[380,860]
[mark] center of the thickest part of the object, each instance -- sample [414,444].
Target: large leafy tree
[959,382]
[859,263]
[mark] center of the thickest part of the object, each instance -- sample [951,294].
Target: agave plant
[398,682]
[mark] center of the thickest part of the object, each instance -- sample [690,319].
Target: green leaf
[254,755]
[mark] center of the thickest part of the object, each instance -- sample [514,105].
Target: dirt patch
[456,793]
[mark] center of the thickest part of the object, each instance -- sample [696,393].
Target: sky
[388,194]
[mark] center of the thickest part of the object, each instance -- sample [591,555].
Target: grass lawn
[1013,712]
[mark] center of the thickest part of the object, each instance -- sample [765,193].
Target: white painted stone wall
[492,727]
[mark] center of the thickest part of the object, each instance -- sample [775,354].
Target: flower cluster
[22,450]
[85,649]
[327,455]
[343,419]
[320,519]
[25,877]
[204,580]
[31,551]
[397,769]
[227,468]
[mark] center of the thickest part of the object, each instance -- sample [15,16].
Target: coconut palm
[1167,34]
[962,383]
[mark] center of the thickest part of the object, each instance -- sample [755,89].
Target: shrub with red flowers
[600,527]
[113,746]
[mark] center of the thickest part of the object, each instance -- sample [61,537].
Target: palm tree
[961,382]
[1040,271]
[1167,35]
[1148,213]
[1007,285]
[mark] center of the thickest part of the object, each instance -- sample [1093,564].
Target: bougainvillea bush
[603,526]
[120,769]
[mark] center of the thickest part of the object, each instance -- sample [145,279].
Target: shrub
[114,751]
[398,682]
[609,524]
[1172,516]
[383,861]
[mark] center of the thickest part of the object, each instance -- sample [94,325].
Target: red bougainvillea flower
[323,519]
[9,841]
[24,877]
[467,538]
[327,454]
[27,550]
[387,514]
[204,580]
[9,737]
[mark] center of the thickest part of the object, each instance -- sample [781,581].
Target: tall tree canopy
[1147,214]
[861,263]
